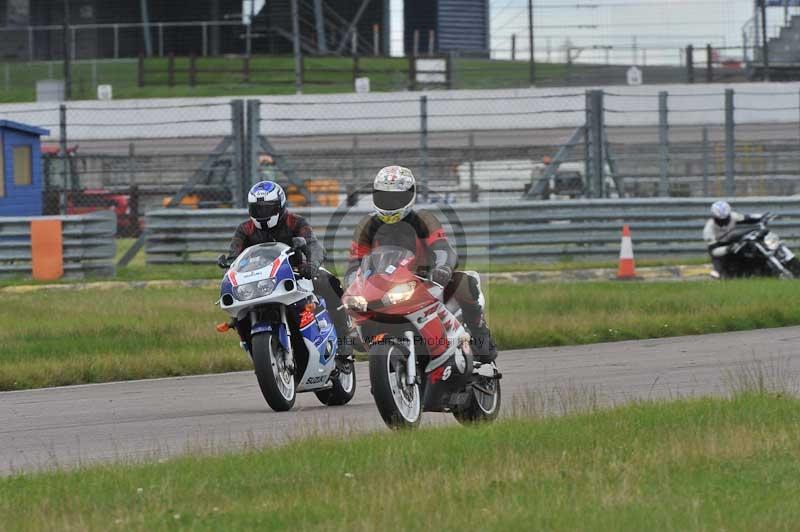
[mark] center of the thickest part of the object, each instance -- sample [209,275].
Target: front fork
[777,264]
[411,365]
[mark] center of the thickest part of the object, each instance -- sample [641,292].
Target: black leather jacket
[289,226]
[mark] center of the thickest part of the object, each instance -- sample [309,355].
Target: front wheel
[398,401]
[344,385]
[274,378]
[794,266]
[483,404]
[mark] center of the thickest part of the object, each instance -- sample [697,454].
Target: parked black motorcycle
[756,251]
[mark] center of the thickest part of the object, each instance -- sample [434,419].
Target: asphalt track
[154,419]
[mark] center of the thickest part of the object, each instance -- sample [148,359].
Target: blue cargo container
[459,26]
[21,169]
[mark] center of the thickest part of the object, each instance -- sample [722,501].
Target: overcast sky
[655,24]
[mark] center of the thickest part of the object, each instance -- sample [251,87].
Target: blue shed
[21,169]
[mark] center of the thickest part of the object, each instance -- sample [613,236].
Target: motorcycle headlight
[358,303]
[399,293]
[772,241]
[254,290]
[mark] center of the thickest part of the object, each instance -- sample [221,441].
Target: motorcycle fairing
[319,331]
[319,337]
[226,287]
[288,290]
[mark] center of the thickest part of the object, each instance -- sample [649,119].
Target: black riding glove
[223,262]
[309,270]
[441,275]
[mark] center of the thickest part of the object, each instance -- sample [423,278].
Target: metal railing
[88,240]
[475,146]
[511,232]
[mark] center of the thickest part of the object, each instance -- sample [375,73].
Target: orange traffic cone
[627,268]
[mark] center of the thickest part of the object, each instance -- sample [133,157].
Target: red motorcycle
[420,357]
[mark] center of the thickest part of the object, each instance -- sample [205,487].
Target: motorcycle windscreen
[386,260]
[258,257]
[737,233]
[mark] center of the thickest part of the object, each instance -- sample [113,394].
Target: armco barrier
[88,245]
[512,232]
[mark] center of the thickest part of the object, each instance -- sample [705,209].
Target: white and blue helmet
[721,211]
[266,203]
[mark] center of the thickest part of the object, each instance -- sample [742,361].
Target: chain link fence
[707,142]
[465,147]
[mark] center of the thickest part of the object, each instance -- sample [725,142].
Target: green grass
[581,313]
[139,270]
[707,464]
[222,76]
[104,335]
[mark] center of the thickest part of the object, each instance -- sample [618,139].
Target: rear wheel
[344,385]
[274,378]
[398,401]
[484,402]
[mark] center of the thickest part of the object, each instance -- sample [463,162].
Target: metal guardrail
[514,232]
[88,240]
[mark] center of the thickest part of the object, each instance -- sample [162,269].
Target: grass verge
[139,270]
[51,338]
[705,464]
[270,75]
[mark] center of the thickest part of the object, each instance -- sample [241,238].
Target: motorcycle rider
[723,220]
[271,221]
[395,222]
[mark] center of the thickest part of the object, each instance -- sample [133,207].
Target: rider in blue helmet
[271,221]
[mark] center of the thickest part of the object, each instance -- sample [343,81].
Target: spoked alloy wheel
[398,401]
[274,378]
[484,403]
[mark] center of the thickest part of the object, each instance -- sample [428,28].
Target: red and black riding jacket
[420,232]
[289,226]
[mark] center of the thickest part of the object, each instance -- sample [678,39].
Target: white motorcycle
[293,341]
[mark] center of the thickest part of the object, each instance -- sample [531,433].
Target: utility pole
[298,59]
[67,54]
[319,18]
[148,42]
[764,47]
[530,43]
[249,29]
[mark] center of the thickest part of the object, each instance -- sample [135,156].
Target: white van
[513,177]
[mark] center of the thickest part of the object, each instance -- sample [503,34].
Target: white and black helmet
[394,192]
[721,212]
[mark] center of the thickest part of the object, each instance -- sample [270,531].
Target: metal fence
[512,232]
[697,143]
[465,147]
[88,240]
